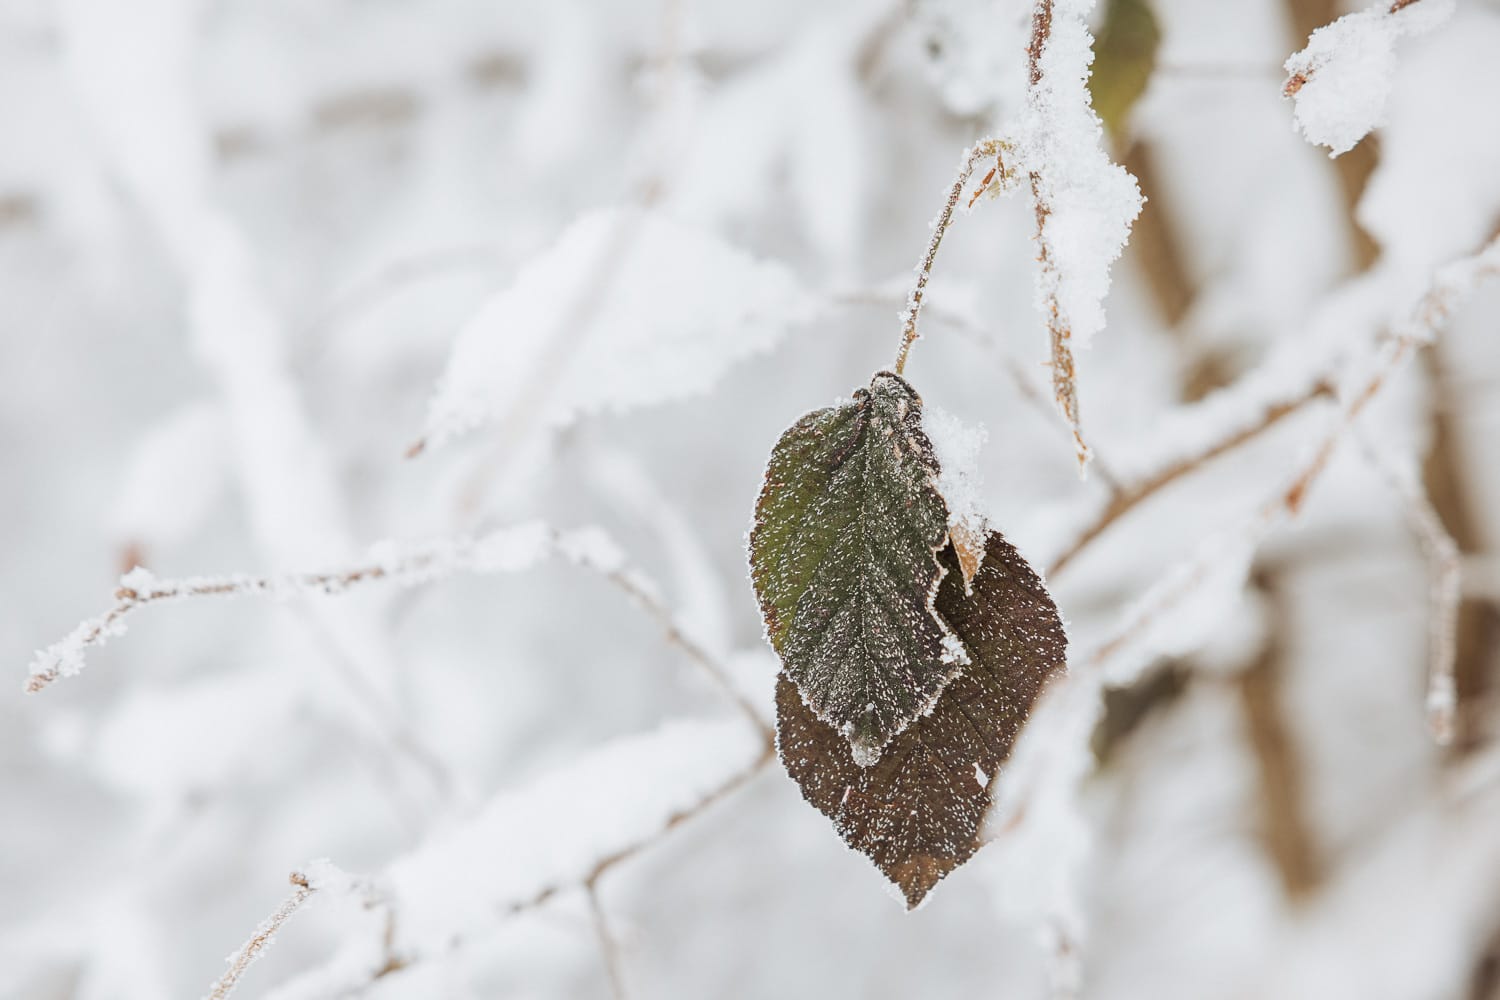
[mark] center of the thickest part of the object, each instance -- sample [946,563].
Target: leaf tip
[917,876]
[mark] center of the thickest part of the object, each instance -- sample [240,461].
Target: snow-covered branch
[1445,583]
[1157,622]
[506,550]
[1132,495]
[1084,202]
[628,308]
[558,834]
[261,938]
[1340,82]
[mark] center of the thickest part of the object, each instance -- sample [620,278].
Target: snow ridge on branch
[1084,201]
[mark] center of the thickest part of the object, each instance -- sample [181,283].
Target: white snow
[552,831]
[627,308]
[1092,199]
[406,564]
[177,474]
[1340,81]
[957,446]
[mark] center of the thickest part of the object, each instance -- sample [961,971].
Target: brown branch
[659,613]
[1429,315]
[1444,567]
[1060,335]
[1130,497]
[609,948]
[1445,475]
[589,882]
[731,785]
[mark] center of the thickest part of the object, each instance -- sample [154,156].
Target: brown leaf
[916,813]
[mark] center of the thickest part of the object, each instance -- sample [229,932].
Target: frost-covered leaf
[1124,56]
[917,812]
[844,559]
[626,309]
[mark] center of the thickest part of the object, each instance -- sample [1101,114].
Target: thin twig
[261,939]
[1427,318]
[732,784]
[1060,334]
[982,150]
[1079,691]
[383,714]
[632,586]
[589,881]
[1445,572]
[970,327]
[506,549]
[609,948]
[1130,497]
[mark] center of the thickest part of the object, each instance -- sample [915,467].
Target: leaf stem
[980,151]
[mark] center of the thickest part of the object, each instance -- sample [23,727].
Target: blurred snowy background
[597,256]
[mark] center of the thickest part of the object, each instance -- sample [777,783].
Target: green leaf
[844,559]
[1124,57]
[917,812]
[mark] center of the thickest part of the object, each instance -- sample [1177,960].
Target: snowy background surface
[490,312]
